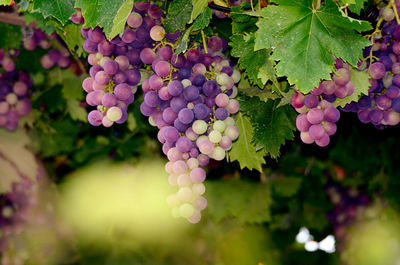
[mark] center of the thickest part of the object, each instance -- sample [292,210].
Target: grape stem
[204,41]
[393,4]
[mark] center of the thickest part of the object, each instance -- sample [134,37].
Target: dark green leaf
[304,40]
[179,13]
[10,36]
[61,10]
[286,187]
[272,125]
[110,15]
[247,202]
[203,20]
[243,149]
[249,60]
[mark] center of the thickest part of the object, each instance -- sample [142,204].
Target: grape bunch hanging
[189,96]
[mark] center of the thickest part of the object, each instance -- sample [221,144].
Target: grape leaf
[60,140]
[286,187]
[14,152]
[305,39]
[264,94]
[11,36]
[110,15]
[5,2]
[179,13]
[267,72]
[249,60]
[9,175]
[361,87]
[199,6]
[71,35]
[183,41]
[61,10]
[76,112]
[41,22]
[272,125]
[243,149]
[203,20]
[242,22]
[355,6]
[118,24]
[245,201]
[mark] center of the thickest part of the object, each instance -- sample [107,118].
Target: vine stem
[204,41]
[14,19]
[392,2]
[316,4]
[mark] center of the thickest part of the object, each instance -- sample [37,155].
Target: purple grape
[95,117]
[211,88]
[183,144]
[331,114]
[133,77]
[199,80]
[122,91]
[201,111]
[109,100]
[95,35]
[377,70]
[119,78]
[102,78]
[111,67]
[181,126]
[169,115]
[311,101]
[396,104]
[146,110]
[105,48]
[191,93]
[151,99]
[171,134]
[175,88]
[221,114]
[178,103]
[185,116]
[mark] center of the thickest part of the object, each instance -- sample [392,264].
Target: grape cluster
[57,56]
[349,205]
[189,98]
[317,115]
[115,74]
[381,106]
[14,91]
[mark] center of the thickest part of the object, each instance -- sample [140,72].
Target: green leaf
[286,187]
[76,112]
[60,140]
[243,149]
[132,124]
[71,35]
[61,10]
[242,22]
[199,6]
[267,72]
[249,60]
[11,36]
[118,24]
[305,39]
[179,13]
[183,41]
[5,2]
[355,6]
[361,87]
[264,93]
[203,20]
[110,15]
[41,22]
[245,201]
[272,125]
[15,159]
